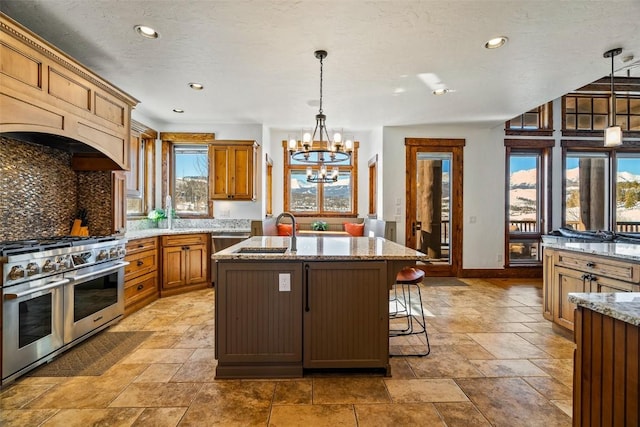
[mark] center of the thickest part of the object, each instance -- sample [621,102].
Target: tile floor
[494,361]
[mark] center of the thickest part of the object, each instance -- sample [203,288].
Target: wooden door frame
[454,146]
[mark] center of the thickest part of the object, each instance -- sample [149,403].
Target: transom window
[590,112]
[304,198]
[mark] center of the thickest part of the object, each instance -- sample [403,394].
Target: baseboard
[505,273]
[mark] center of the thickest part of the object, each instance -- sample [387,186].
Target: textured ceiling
[255,58]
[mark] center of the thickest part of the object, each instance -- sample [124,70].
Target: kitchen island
[280,313]
[606,366]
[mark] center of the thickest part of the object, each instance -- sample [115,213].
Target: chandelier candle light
[323,151]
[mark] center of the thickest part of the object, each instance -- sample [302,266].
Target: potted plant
[319,226]
[156,215]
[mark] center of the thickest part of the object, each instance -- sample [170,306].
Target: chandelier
[323,150]
[613,133]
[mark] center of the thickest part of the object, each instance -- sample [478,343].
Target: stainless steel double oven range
[57,292]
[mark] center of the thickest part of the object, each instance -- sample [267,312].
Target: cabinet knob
[140,287]
[139,263]
[141,245]
[591,264]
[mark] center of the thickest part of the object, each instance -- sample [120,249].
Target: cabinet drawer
[140,245]
[600,266]
[140,287]
[185,239]
[141,263]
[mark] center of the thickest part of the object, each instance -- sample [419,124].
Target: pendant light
[613,133]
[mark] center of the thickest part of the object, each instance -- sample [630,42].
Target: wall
[40,193]
[483,182]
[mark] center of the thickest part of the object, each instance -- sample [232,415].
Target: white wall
[483,186]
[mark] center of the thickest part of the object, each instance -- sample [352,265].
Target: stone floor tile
[204,355]
[400,368]
[349,390]
[195,372]
[461,414]
[160,417]
[17,395]
[507,346]
[158,355]
[424,390]
[508,368]
[22,418]
[312,415]
[565,405]
[155,395]
[393,415]
[295,392]
[158,373]
[550,388]
[512,402]
[112,417]
[443,364]
[79,393]
[560,369]
[232,393]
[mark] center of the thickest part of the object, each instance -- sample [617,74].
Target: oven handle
[33,291]
[93,274]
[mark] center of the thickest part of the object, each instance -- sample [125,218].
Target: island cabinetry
[568,272]
[259,319]
[606,371]
[184,263]
[233,175]
[346,315]
[141,275]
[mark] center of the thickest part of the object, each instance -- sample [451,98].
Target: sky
[518,163]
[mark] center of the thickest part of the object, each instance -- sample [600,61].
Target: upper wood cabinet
[45,91]
[233,176]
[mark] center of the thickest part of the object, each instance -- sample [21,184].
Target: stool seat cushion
[410,275]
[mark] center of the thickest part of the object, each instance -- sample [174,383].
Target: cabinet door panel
[255,320]
[568,281]
[173,267]
[347,321]
[197,264]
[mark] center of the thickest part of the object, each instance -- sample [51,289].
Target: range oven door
[93,298]
[32,323]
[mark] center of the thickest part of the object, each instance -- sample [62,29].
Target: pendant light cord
[320,111]
[613,96]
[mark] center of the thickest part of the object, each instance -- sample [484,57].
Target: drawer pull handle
[140,287]
[141,245]
[591,264]
[139,263]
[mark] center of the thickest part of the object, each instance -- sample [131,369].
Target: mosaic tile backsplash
[40,194]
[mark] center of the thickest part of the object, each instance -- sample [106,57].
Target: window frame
[142,163]
[541,148]
[545,122]
[351,168]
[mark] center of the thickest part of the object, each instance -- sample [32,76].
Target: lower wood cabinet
[141,275]
[276,318]
[567,272]
[259,319]
[184,263]
[346,315]
[606,371]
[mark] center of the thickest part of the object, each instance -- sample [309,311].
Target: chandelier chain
[321,63]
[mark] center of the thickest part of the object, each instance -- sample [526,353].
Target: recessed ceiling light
[196,86]
[146,32]
[496,42]
[441,91]
[178,110]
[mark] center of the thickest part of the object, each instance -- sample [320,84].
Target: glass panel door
[433,205]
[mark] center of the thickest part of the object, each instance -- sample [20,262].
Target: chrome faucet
[293,229]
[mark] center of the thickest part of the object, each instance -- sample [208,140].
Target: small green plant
[156,215]
[319,226]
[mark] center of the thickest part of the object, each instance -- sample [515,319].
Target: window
[538,121]
[140,178]
[585,113]
[373,186]
[338,198]
[589,190]
[191,178]
[186,169]
[527,199]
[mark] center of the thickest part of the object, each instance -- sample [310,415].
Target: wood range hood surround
[46,97]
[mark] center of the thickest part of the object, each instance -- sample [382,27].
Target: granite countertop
[623,251]
[217,232]
[624,306]
[321,248]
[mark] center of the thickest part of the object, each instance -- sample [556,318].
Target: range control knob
[32,269]
[121,251]
[102,255]
[63,262]
[48,266]
[113,252]
[17,272]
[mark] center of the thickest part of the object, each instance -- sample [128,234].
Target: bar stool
[406,304]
